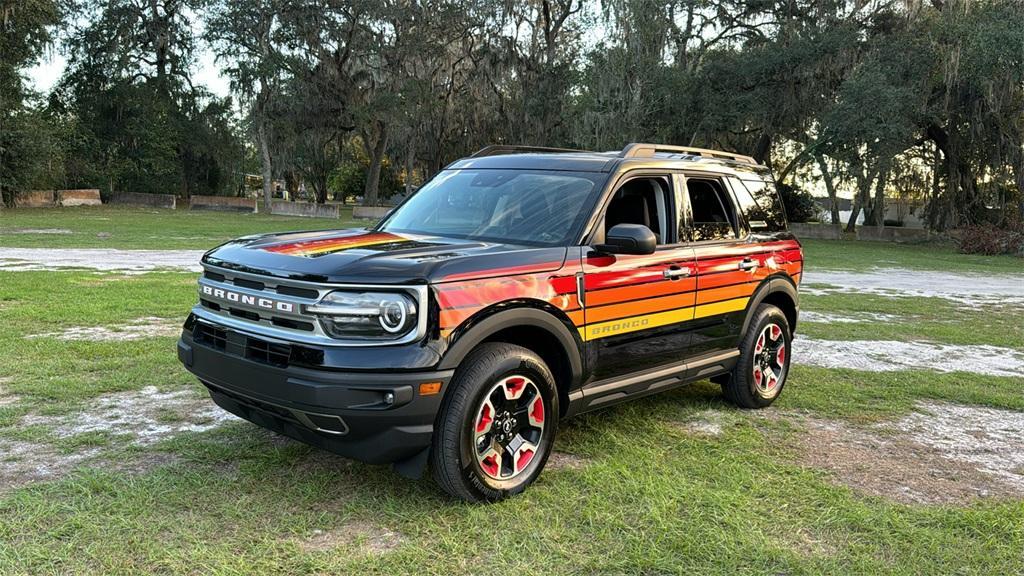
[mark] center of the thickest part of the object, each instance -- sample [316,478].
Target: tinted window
[711,210]
[519,206]
[760,202]
[641,201]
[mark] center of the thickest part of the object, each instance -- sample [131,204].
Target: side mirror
[629,239]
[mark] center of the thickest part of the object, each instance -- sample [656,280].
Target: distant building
[909,213]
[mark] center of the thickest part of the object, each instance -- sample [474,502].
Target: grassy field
[679,483]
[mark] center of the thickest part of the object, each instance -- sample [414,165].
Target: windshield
[517,206]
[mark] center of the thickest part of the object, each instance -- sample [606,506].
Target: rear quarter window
[760,202]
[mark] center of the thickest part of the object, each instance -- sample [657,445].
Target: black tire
[453,464]
[742,387]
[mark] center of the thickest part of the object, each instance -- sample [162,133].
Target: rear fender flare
[776,283]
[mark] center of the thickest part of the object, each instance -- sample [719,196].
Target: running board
[637,385]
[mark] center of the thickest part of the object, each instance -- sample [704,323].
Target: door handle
[673,273]
[748,264]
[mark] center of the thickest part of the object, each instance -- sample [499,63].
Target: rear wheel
[761,371]
[496,425]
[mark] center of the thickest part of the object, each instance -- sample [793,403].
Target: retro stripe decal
[643,322]
[322,246]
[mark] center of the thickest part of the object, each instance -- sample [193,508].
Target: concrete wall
[816,231]
[370,212]
[892,234]
[225,203]
[150,200]
[37,199]
[84,197]
[305,209]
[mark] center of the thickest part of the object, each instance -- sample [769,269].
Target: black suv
[518,287]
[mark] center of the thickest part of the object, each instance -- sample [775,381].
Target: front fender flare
[481,328]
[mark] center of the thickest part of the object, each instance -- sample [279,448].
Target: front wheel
[496,425]
[761,371]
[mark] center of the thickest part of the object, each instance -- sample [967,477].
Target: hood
[367,256]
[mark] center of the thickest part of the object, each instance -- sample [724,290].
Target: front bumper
[374,416]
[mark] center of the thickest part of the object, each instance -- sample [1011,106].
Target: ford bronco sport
[518,287]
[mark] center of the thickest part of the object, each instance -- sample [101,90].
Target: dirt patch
[148,327]
[990,439]
[146,416]
[891,355]
[23,462]
[565,461]
[102,259]
[54,231]
[890,463]
[857,318]
[707,423]
[365,537]
[136,418]
[969,289]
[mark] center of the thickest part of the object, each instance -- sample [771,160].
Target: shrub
[800,205]
[990,239]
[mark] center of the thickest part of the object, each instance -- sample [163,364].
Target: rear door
[730,264]
[636,306]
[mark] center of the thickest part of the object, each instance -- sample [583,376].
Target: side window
[760,202]
[712,213]
[642,201]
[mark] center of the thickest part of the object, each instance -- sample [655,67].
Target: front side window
[712,214]
[641,201]
[533,207]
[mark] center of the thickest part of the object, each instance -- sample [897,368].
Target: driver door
[636,305]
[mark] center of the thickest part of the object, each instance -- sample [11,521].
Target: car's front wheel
[496,425]
[763,366]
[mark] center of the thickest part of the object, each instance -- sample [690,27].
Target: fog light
[389,398]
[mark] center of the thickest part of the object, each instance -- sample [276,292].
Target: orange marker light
[430,388]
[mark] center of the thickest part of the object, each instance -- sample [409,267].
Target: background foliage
[913,101]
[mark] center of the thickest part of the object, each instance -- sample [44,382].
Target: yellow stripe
[339,247]
[705,310]
[626,325]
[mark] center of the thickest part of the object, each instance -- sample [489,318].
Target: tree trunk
[266,167]
[372,188]
[878,207]
[830,186]
[410,160]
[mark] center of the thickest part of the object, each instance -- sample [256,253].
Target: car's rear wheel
[763,366]
[496,425]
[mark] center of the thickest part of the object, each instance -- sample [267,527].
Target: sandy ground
[147,327]
[891,355]
[969,289]
[940,454]
[102,259]
[857,318]
[138,418]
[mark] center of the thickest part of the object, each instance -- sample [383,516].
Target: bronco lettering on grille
[256,301]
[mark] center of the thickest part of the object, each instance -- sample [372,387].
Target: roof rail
[506,149]
[638,150]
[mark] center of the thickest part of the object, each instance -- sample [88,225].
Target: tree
[245,34]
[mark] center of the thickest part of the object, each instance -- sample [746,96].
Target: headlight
[366,315]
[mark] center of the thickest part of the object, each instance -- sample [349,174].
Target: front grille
[268,352]
[236,295]
[212,336]
[255,349]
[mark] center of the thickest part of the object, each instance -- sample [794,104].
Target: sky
[45,74]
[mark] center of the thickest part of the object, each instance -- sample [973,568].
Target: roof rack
[638,150]
[506,149]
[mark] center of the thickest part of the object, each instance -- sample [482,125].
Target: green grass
[864,255]
[925,319]
[651,498]
[140,228]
